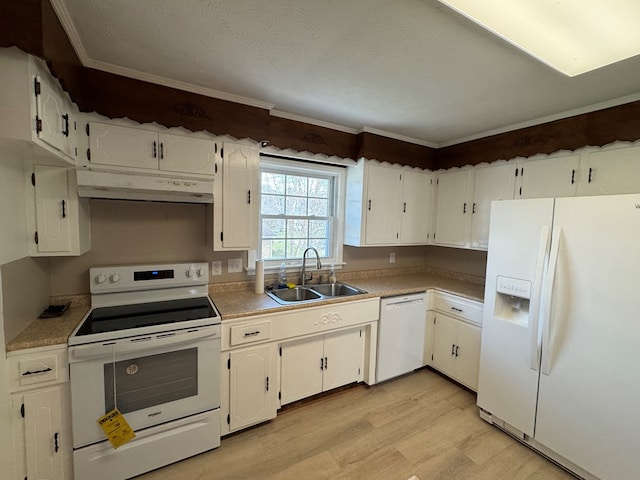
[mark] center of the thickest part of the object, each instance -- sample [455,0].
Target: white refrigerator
[560,356]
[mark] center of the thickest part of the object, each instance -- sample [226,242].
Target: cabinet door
[179,153]
[468,354]
[490,183]
[344,356]
[52,209]
[252,386]
[445,336]
[301,368]
[238,217]
[452,208]
[416,207]
[53,114]
[384,195]
[124,146]
[43,427]
[610,171]
[556,176]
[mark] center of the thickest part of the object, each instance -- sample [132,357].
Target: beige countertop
[44,332]
[237,300]
[241,301]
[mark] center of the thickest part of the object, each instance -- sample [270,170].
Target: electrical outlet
[234,265]
[392,257]
[216,268]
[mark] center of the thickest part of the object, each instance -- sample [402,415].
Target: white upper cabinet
[35,109]
[417,195]
[60,221]
[612,170]
[554,176]
[387,205]
[180,153]
[491,183]
[236,198]
[384,194]
[114,145]
[453,208]
[55,120]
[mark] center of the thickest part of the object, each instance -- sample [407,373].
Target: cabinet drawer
[253,332]
[38,369]
[459,307]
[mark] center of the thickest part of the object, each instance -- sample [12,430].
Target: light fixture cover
[571,36]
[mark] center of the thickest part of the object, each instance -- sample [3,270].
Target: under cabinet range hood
[135,186]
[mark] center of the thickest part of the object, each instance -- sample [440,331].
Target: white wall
[13,226]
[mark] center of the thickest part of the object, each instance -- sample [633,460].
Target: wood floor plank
[420,424]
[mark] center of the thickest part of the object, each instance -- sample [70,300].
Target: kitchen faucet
[318,264]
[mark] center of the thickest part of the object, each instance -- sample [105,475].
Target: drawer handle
[37,372]
[56,446]
[457,309]
[252,334]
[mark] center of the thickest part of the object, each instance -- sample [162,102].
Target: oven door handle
[143,343]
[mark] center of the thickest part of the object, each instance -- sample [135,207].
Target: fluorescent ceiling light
[572,36]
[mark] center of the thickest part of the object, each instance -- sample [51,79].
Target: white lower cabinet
[456,338]
[292,355]
[41,423]
[253,386]
[317,364]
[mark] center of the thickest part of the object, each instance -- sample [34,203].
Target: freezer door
[589,397]
[518,242]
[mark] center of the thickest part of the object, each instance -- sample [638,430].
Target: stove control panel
[147,277]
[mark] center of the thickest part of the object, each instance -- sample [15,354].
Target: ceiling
[408,69]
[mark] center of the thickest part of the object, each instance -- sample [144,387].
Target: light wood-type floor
[420,424]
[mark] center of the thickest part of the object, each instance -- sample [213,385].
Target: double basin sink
[311,293]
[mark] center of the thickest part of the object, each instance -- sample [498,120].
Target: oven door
[151,379]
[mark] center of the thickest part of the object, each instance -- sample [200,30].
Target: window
[299,205]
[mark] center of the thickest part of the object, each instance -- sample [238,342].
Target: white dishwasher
[401,335]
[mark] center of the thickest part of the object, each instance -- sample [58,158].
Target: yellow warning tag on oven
[116,428]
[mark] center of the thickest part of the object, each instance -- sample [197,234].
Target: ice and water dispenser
[512,300]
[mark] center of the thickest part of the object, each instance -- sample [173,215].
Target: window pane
[296,185]
[273,249]
[273,183]
[296,206]
[319,229]
[295,248]
[272,205]
[297,228]
[322,246]
[273,228]
[319,187]
[319,208]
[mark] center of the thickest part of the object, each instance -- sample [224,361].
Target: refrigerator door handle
[551,276]
[534,346]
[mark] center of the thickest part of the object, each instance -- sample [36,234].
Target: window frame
[307,168]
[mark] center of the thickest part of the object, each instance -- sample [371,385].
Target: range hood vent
[134,186]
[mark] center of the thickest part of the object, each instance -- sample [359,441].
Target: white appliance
[149,346]
[143,186]
[401,335]
[560,357]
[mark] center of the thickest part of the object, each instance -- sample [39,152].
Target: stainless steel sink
[335,289]
[293,295]
[311,293]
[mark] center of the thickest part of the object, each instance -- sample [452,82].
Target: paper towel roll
[259,276]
